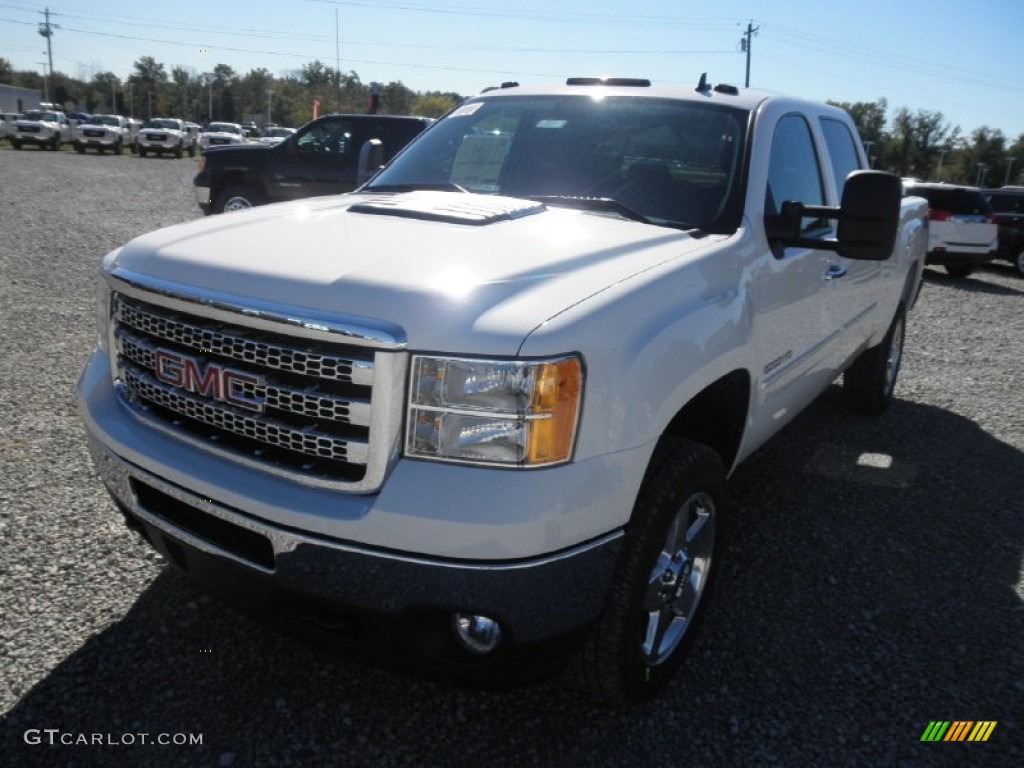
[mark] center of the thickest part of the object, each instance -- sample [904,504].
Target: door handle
[834,272]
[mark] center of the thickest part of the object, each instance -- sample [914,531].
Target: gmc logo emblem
[215,381]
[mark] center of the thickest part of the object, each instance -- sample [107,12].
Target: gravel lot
[855,605]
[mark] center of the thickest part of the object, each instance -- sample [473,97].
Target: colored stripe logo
[958,730]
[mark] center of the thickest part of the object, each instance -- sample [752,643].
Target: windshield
[48,117]
[163,123]
[223,128]
[673,162]
[104,120]
[276,132]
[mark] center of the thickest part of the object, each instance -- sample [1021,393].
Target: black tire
[15,143]
[1018,263]
[655,600]
[237,198]
[192,150]
[80,149]
[100,150]
[55,144]
[119,148]
[179,151]
[959,270]
[869,383]
[142,151]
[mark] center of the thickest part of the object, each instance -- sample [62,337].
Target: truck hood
[455,272]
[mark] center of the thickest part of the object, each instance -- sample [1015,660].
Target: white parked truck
[167,135]
[103,132]
[47,129]
[480,413]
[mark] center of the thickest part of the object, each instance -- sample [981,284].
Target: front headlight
[494,412]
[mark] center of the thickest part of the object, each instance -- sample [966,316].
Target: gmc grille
[300,406]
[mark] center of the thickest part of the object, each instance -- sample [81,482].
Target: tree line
[225,95]
[919,144]
[925,146]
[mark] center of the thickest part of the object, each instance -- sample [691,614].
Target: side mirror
[371,158]
[868,218]
[870,215]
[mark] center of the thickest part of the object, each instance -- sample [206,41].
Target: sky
[962,59]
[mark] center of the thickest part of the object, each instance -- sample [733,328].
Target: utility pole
[46,30]
[46,83]
[270,106]
[745,45]
[1009,165]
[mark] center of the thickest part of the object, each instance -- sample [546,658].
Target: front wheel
[662,577]
[870,382]
[236,199]
[192,150]
[179,151]
[1018,263]
[15,143]
[143,151]
[119,148]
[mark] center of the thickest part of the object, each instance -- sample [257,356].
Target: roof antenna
[702,86]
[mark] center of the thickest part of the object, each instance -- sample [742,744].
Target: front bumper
[32,138]
[388,607]
[168,144]
[363,557]
[99,141]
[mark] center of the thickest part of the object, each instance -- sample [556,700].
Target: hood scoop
[449,207]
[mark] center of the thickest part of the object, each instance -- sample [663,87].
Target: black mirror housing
[870,215]
[868,218]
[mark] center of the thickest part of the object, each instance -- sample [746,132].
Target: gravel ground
[855,604]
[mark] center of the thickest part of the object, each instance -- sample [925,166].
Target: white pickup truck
[483,409]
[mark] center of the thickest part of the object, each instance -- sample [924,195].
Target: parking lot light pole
[1009,164]
[270,106]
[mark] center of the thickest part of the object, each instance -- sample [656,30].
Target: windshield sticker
[466,109]
[551,123]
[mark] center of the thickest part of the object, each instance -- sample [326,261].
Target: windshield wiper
[593,204]
[440,186]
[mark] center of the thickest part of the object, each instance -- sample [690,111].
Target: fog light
[478,634]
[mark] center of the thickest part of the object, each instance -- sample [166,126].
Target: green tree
[149,81]
[915,141]
[434,104]
[396,99]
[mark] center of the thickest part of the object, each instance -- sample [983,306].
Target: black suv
[332,154]
[1008,209]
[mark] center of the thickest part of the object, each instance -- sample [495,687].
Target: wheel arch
[716,416]
[240,177]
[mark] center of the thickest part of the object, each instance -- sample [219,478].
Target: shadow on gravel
[868,587]
[972,285]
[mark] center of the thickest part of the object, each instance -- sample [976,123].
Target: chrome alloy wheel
[678,579]
[237,203]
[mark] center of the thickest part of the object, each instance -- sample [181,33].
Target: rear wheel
[870,382]
[662,577]
[959,270]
